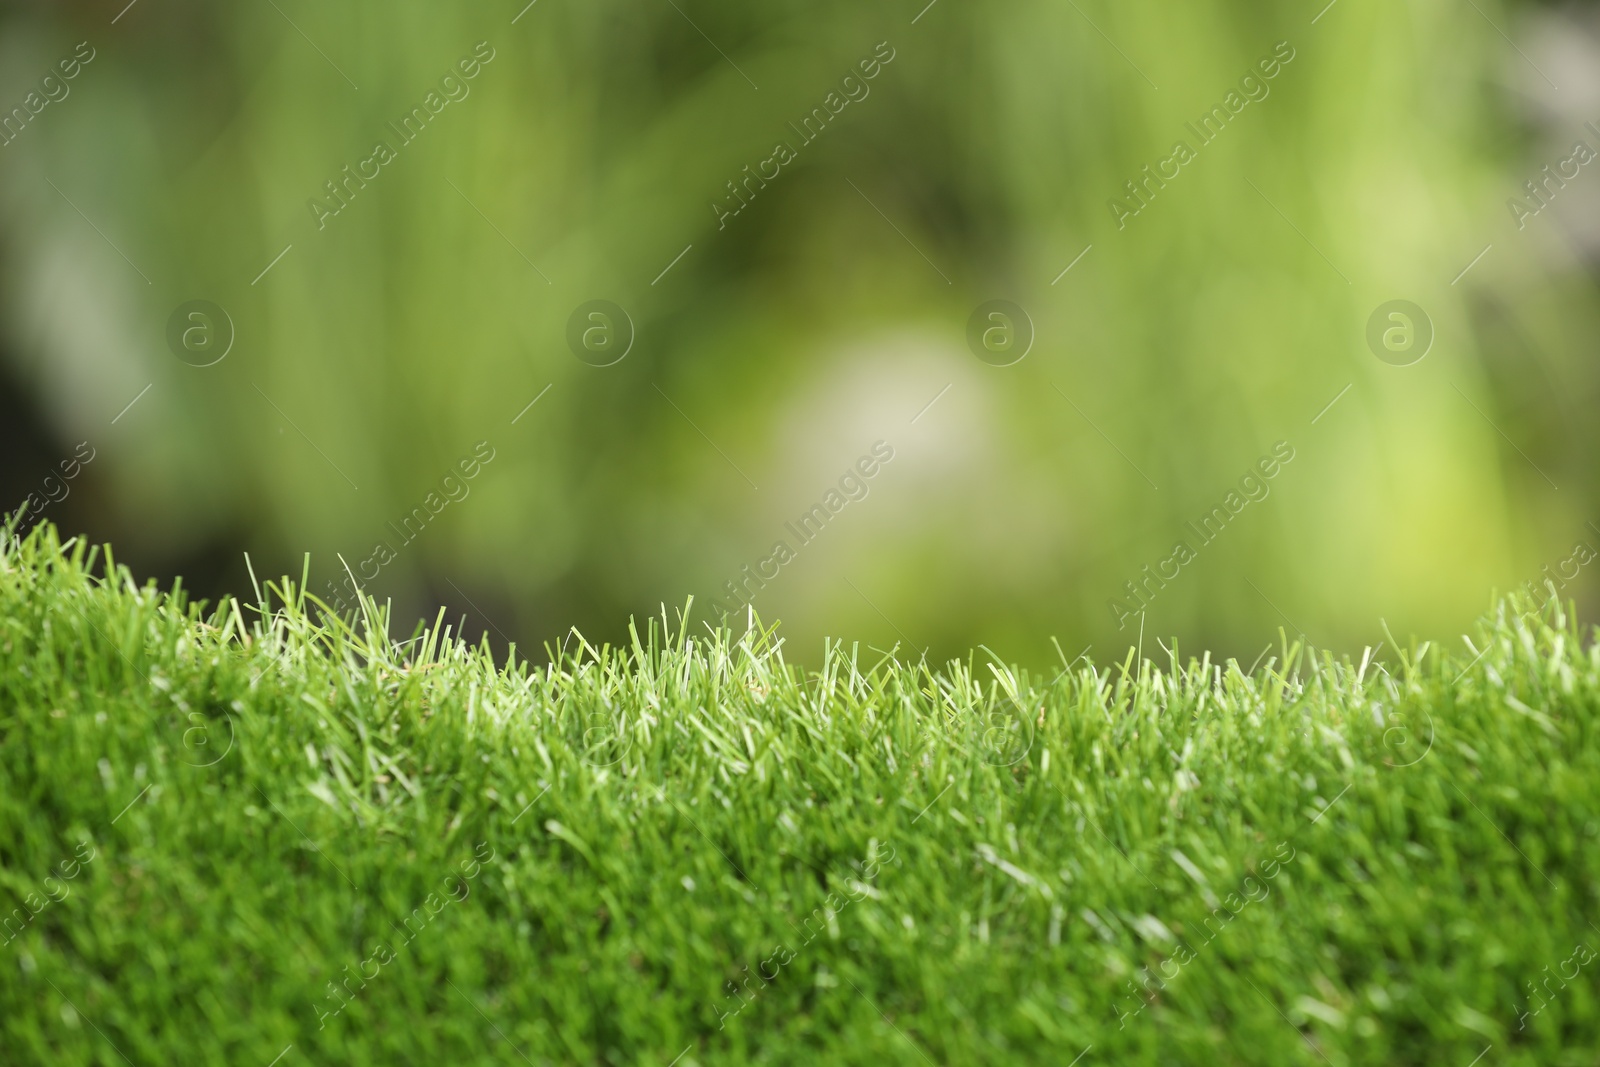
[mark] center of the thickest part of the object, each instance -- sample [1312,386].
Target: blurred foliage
[588,154]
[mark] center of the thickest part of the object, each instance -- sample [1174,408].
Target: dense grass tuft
[236,834]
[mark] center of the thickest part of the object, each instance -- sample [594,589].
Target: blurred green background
[774,348]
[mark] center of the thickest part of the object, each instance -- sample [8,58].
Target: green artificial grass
[258,835]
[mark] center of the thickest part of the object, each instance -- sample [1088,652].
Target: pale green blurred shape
[1179,349]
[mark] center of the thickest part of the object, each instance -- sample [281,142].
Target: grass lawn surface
[255,834]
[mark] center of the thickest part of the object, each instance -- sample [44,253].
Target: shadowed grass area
[254,832]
